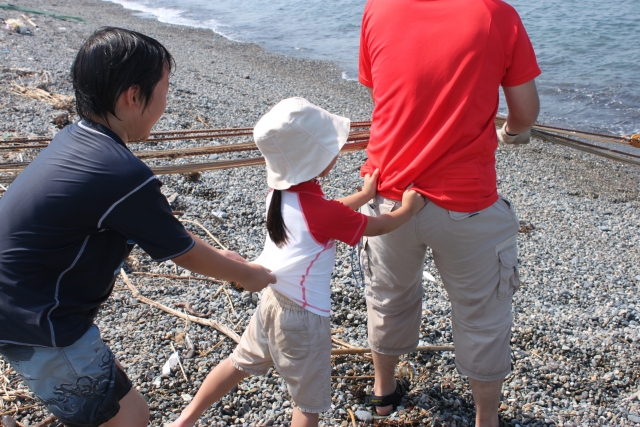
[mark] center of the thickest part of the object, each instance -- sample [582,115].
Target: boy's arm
[412,202]
[225,265]
[367,193]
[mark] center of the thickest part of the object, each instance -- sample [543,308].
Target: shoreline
[579,249]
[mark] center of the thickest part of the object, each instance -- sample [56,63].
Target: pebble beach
[576,334]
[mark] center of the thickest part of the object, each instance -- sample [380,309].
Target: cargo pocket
[292,337]
[509,275]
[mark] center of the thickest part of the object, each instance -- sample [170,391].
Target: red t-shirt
[435,68]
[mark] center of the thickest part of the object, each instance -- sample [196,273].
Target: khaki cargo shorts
[297,342]
[476,254]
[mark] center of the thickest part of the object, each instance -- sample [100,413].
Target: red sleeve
[332,220]
[520,58]
[364,65]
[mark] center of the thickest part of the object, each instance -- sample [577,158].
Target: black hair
[110,62]
[275,223]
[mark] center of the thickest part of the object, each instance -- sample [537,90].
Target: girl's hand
[413,201]
[370,186]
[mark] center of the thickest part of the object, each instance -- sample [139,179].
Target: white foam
[174,16]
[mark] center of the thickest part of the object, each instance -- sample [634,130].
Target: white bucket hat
[298,141]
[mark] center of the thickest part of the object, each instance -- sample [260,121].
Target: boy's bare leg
[134,412]
[304,419]
[223,378]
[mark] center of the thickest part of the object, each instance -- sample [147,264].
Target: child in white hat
[290,329]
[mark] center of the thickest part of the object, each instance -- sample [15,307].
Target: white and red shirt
[303,266]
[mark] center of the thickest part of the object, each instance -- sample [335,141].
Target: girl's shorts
[80,384]
[297,342]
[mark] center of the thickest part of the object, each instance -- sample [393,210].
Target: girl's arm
[368,192]
[412,202]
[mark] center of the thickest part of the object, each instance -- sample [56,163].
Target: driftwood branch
[421,349]
[205,322]
[173,276]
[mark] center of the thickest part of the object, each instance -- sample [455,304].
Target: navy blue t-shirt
[67,223]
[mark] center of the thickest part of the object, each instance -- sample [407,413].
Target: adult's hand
[520,138]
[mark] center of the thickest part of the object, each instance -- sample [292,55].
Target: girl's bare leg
[218,383]
[304,419]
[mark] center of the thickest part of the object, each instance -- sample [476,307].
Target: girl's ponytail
[275,223]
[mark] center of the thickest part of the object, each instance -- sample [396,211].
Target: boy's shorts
[80,384]
[476,254]
[297,342]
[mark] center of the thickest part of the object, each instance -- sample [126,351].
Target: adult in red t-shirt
[434,69]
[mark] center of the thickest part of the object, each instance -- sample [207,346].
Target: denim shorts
[80,384]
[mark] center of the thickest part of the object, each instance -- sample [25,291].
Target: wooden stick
[206,322]
[421,349]
[18,409]
[206,231]
[342,343]
[29,21]
[353,418]
[230,303]
[218,344]
[50,419]
[353,377]
[179,362]
[173,276]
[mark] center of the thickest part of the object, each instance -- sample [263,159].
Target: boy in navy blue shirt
[71,218]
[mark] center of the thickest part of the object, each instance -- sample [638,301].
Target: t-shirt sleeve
[521,63]
[364,63]
[145,217]
[332,220]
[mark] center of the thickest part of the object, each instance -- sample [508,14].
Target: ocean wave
[175,17]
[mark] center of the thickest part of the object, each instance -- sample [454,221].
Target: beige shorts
[476,255]
[297,342]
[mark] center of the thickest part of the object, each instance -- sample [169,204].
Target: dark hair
[275,224]
[110,62]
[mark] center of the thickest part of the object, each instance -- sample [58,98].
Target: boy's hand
[233,255]
[370,186]
[413,201]
[257,278]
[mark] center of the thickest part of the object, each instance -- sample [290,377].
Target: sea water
[589,50]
